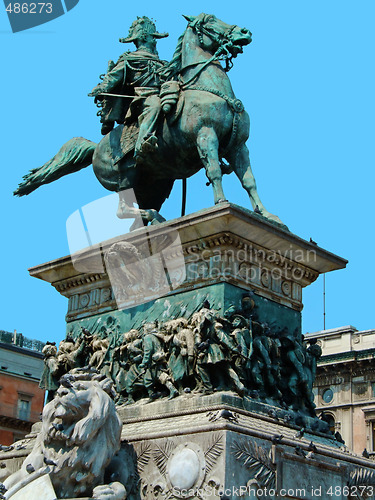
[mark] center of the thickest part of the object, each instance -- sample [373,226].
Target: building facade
[345,385]
[21,399]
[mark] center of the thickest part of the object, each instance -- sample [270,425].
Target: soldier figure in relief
[134,74]
[243,337]
[50,379]
[154,361]
[215,348]
[181,354]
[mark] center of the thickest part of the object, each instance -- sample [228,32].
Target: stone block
[222,446]
[222,252]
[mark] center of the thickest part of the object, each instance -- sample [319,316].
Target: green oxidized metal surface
[164,121]
[221,297]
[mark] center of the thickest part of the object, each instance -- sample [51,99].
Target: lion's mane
[80,434]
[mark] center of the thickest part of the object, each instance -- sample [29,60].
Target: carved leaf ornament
[256,459]
[185,467]
[361,484]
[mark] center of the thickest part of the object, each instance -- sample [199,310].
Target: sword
[120,95]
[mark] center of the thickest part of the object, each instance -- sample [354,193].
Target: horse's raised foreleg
[208,146]
[240,162]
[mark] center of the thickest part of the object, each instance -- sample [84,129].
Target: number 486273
[32,8]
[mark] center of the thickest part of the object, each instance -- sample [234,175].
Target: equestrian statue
[164,121]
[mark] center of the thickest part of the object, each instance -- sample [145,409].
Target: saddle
[129,137]
[172,103]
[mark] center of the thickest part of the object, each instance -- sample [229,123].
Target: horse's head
[214,34]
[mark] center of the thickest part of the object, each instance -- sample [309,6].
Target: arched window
[330,419]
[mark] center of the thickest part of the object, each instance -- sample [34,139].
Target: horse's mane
[173,68]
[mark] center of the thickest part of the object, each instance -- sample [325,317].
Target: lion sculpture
[80,435]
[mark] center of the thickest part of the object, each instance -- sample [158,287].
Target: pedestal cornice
[224,243]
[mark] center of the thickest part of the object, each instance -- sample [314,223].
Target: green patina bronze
[219,338]
[165,121]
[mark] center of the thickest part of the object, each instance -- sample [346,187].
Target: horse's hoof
[155,221]
[221,200]
[273,218]
[155,217]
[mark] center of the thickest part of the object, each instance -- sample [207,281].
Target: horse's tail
[73,156]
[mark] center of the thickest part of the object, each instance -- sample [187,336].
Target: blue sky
[307,81]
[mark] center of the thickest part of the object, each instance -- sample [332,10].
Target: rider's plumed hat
[141,27]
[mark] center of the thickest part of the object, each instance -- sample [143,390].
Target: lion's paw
[112,491]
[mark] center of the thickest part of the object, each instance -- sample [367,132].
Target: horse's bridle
[199,26]
[223,39]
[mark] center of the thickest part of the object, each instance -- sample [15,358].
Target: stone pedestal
[222,446]
[218,253]
[219,445]
[225,447]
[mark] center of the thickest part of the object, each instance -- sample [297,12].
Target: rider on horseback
[135,73]
[208,125]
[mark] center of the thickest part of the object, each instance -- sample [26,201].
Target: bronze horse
[211,125]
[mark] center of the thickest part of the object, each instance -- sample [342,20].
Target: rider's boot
[148,145]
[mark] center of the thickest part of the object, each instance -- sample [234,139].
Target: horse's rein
[222,51]
[204,64]
[235,104]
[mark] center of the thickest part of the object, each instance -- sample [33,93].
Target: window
[372,445]
[24,409]
[331,422]
[17,436]
[329,419]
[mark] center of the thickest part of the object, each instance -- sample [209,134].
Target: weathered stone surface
[39,489]
[232,446]
[236,446]
[79,438]
[222,244]
[224,440]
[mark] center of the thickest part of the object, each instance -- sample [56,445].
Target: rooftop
[345,343]
[18,340]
